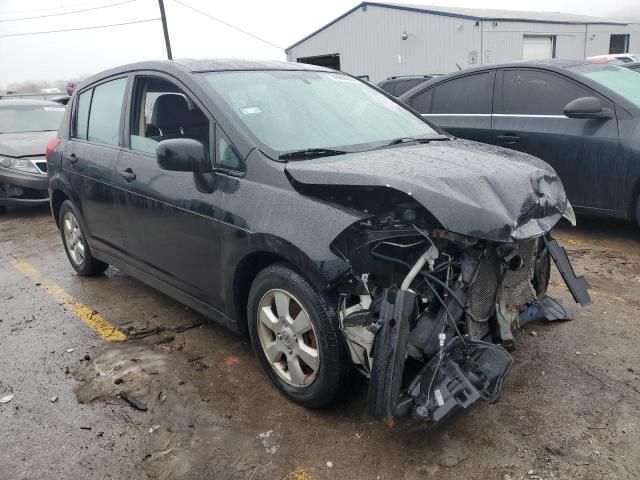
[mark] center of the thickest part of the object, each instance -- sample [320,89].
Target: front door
[167,223]
[90,159]
[528,117]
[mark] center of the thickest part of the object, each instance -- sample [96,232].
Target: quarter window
[227,157]
[82,114]
[532,92]
[106,108]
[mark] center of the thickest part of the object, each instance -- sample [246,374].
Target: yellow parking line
[91,318]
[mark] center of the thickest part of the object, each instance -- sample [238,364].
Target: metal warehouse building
[378,40]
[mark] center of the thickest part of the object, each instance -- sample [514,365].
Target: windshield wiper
[310,153]
[401,140]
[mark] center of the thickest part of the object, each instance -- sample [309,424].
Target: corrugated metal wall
[370,42]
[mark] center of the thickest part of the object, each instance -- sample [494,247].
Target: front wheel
[75,243]
[294,332]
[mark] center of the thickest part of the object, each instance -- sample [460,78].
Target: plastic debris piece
[69,350]
[6,398]
[133,401]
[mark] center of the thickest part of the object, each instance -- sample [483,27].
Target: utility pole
[165,29]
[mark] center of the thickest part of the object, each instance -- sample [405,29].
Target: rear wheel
[75,242]
[294,332]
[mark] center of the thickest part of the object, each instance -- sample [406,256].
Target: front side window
[297,110]
[533,92]
[30,117]
[161,111]
[105,111]
[622,81]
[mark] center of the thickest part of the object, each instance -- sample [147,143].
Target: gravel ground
[569,409]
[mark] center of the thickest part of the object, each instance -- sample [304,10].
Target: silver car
[25,128]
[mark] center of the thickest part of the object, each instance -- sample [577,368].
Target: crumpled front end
[428,314]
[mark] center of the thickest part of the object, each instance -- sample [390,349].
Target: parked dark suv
[396,86]
[581,117]
[335,225]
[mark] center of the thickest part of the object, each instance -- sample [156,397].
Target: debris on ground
[53,399]
[6,398]
[154,428]
[69,350]
[133,401]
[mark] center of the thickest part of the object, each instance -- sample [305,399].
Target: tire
[75,242]
[284,337]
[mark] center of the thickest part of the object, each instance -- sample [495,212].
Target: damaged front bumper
[437,342]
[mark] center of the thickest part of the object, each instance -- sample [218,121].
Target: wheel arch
[271,250]
[57,198]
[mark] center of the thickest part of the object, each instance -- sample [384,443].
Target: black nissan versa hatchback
[581,117]
[339,228]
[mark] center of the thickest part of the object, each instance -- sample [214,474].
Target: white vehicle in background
[617,58]
[50,90]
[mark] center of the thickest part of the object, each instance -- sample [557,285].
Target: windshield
[300,110]
[620,80]
[30,118]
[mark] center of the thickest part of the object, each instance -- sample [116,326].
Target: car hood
[471,188]
[25,144]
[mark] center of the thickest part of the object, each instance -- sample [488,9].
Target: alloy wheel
[73,238]
[288,338]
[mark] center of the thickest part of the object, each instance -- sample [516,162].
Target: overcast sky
[281,22]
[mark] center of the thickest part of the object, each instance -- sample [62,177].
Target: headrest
[170,111]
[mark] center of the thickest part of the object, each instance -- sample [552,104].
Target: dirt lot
[570,407]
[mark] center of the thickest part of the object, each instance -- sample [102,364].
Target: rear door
[528,117]
[90,160]
[461,106]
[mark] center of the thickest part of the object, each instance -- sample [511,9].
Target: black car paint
[203,248]
[598,160]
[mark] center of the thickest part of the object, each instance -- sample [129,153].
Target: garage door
[535,47]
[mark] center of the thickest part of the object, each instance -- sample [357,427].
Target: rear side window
[82,114]
[533,92]
[469,94]
[106,108]
[387,87]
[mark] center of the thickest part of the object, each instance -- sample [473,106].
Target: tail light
[51,147]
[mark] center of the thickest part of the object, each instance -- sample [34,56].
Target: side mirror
[587,107]
[183,155]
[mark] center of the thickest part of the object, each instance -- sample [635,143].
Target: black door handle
[73,159]
[508,139]
[127,174]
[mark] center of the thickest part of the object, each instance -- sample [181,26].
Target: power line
[228,24]
[66,13]
[79,28]
[18,12]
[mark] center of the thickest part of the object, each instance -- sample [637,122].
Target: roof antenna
[459,67]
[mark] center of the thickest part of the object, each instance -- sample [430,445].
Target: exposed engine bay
[428,314]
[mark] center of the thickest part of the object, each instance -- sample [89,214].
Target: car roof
[559,66]
[194,65]
[10,102]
